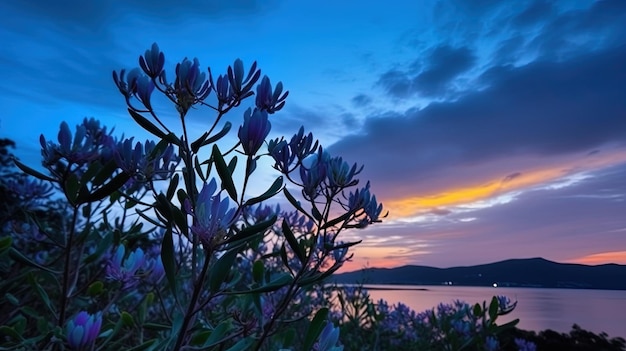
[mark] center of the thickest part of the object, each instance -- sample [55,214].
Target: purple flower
[268,100]
[83,330]
[340,174]
[124,270]
[88,144]
[313,175]
[144,89]
[222,90]
[157,271]
[126,85]
[256,126]
[145,162]
[505,305]
[152,62]
[302,145]
[523,345]
[190,86]
[242,87]
[328,339]
[492,344]
[282,155]
[212,215]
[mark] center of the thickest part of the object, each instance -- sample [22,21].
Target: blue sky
[489,129]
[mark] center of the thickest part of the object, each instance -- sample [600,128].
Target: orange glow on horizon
[495,185]
[618,257]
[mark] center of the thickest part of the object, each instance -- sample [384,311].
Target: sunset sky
[489,129]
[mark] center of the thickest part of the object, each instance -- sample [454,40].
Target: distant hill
[532,272]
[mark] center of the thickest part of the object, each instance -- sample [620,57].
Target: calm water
[538,309]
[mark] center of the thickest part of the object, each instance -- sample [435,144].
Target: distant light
[495,285]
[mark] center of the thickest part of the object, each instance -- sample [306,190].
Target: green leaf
[493,309]
[274,189]
[167,257]
[219,135]
[316,213]
[281,280]
[195,146]
[163,206]
[315,328]
[71,187]
[156,326]
[509,325]
[104,244]
[295,203]
[17,256]
[103,173]
[247,232]
[224,173]
[293,242]
[41,292]
[171,189]
[243,344]
[5,244]
[477,310]
[337,220]
[109,188]
[180,219]
[214,336]
[232,165]
[12,299]
[221,268]
[258,270]
[95,288]
[147,125]
[149,218]
[288,336]
[198,167]
[143,307]
[127,319]
[10,332]
[32,172]
[143,346]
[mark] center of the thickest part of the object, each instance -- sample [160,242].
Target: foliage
[369,325]
[576,340]
[160,245]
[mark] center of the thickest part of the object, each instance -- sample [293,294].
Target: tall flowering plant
[162,245]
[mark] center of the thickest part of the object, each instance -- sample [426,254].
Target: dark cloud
[433,78]
[579,31]
[361,100]
[396,83]
[444,65]
[511,176]
[541,109]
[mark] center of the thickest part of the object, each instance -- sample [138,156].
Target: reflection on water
[538,309]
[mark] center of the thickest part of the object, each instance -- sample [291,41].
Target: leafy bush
[160,245]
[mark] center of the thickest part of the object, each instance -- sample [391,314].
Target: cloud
[361,100]
[569,222]
[537,110]
[434,78]
[443,66]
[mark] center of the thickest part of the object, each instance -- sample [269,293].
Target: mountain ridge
[520,272]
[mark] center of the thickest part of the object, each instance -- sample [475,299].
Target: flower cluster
[83,329]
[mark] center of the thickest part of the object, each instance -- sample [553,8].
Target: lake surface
[538,309]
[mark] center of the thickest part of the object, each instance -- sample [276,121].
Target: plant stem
[192,304]
[66,270]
